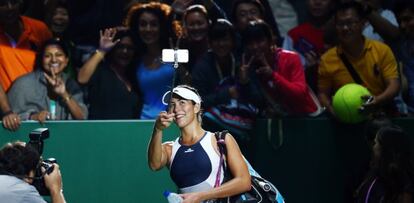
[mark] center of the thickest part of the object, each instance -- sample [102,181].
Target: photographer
[17,171]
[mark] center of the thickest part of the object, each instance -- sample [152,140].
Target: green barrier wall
[102,162]
[309,160]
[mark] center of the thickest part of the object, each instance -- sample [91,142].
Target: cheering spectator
[109,75]
[152,28]
[47,92]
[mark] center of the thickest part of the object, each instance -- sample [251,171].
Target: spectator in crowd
[58,19]
[405,47]
[215,77]
[244,11]
[10,119]
[18,163]
[373,61]
[47,92]
[391,175]
[273,77]
[192,158]
[381,23]
[152,31]
[20,38]
[308,38]
[109,75]
[196,24]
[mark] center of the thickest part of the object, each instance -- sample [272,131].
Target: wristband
[100,52]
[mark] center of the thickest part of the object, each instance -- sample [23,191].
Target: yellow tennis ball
[347,101]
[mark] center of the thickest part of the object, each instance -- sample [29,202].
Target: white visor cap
[182,92]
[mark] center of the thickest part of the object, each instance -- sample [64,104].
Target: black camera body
[36,141]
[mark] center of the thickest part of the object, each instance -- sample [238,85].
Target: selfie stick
[174,76]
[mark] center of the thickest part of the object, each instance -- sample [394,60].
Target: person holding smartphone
[193,158]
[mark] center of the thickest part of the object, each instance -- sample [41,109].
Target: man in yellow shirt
[373,61]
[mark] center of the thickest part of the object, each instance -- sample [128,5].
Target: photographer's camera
[37,138]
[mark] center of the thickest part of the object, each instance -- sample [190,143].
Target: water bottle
[52,110]
[173,197]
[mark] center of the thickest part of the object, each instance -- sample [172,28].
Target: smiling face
[54,58]
[222,47]
[149,28]
[348,25]
[246,12]
[260,49]
[124,52]
[185,111]
[196,24]
[60,20]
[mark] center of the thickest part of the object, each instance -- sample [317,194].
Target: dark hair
[394,164]
[17,159]
[221,28]
[256,30]
[351,5]
[236,4]
[373,125]
[195,8]
[395,144]
[130,70]
[119,35]
[161,10]
[51,42]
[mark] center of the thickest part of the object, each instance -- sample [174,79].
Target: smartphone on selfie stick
[175,56]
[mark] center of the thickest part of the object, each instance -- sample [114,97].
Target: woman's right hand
[107,41]
[164,120]
[11,121]
[244,69]
[41,116]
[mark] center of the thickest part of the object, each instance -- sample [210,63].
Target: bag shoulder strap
[221,137]
[351,69]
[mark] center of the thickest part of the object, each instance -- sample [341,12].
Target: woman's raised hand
[164,120]
[107,41]
[265,69]
[56,82]
[244,68]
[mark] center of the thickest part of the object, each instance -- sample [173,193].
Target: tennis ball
[347,101]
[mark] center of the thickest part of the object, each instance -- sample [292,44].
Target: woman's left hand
[191,197]
[57,83]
